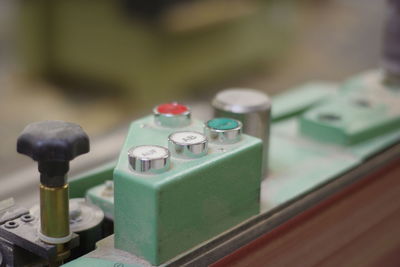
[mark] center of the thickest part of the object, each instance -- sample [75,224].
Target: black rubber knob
[53,144]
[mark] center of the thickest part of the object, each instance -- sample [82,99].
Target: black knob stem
[53,173]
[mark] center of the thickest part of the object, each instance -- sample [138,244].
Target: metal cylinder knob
[252,108]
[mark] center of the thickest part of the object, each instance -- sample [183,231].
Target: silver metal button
[223,130]
[187,144]
[149,158]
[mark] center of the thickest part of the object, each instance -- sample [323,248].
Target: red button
[172,108]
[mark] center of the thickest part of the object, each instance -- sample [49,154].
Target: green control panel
[190,193]
[175,187]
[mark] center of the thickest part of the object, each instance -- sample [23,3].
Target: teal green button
[223,124]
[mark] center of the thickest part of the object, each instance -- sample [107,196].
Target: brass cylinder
[54,211]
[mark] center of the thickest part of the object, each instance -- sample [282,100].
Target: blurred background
[103,63]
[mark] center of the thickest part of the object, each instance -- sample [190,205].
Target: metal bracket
[19,233]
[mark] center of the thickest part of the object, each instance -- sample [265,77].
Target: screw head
[27,218]
[11,224]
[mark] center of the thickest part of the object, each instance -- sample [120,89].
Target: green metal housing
[363,109]
[301,159]
[160,216]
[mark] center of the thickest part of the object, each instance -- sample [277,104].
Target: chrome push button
[187,144]
[149,158]
[223,130]
[172,115]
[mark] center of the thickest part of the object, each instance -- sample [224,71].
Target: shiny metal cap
[187,144]
[223,130]
[172,115]
[241,101]
[149,158]
[252,108]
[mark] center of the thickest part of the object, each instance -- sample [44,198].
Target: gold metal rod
[54,217]
[54,211]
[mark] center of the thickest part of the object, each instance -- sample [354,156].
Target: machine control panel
[187,180]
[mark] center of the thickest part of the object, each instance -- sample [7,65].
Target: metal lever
[53,144]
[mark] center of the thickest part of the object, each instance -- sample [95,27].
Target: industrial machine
[122,45]
[313,173]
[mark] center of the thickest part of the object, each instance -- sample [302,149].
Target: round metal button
[187,144]
[149,158]
[223,130]
[172,115]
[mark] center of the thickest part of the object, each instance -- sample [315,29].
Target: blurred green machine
[184,192]
[152,49]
